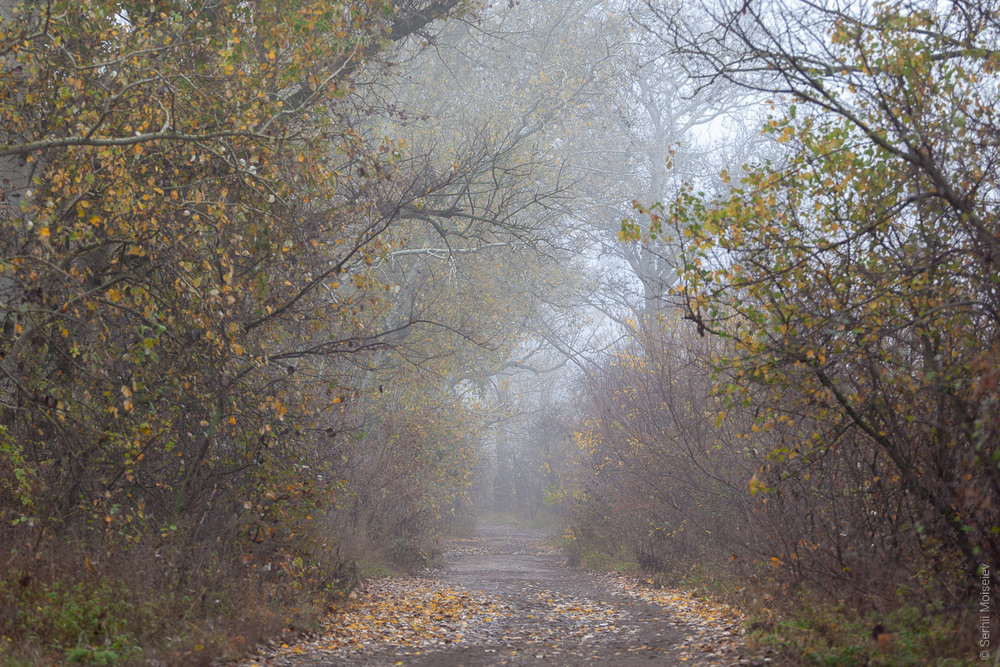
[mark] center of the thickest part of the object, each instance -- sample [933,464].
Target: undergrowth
[832,634]
[178,599]
[908,627]
[157,607]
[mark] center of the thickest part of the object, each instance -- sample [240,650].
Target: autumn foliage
[274,281]
[194,206]
[829,426]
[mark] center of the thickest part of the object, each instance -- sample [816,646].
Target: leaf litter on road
[710,629]
[404,613]
[513,601]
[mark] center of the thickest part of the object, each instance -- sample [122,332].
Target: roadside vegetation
[291,291]
[810,428]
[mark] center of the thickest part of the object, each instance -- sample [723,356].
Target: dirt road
[504,597]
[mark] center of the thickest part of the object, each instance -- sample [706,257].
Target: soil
[505,597]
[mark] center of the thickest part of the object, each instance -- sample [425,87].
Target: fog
[557,118]
[296,295]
